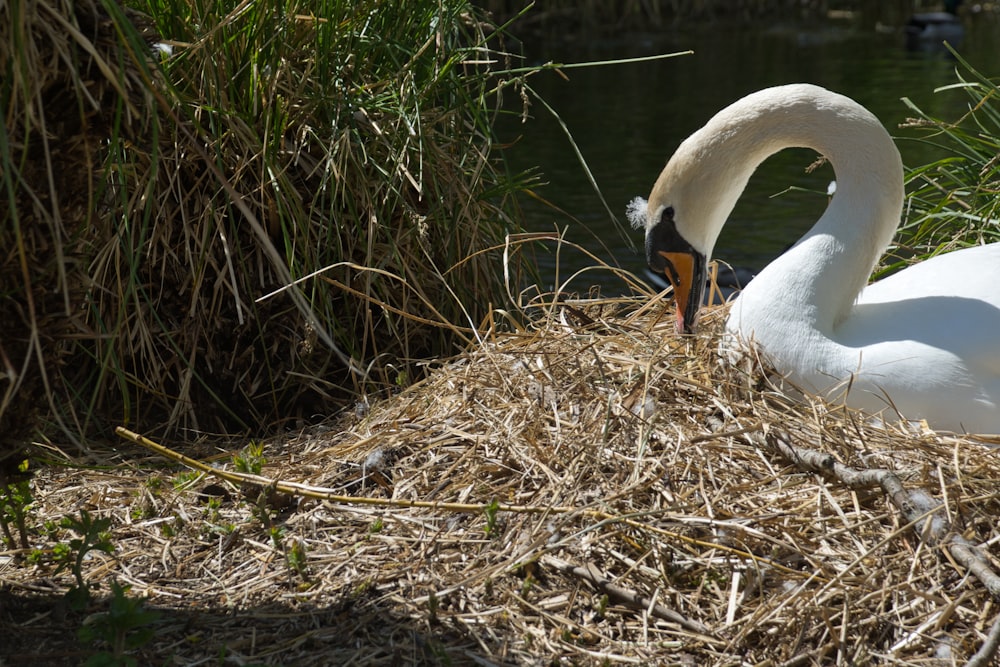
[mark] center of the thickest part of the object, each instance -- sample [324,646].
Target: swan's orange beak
[681,269]
[667,251]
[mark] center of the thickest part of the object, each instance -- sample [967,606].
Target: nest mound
[590,490]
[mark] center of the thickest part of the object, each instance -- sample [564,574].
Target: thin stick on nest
[320,493]
[629,597]
[916,506]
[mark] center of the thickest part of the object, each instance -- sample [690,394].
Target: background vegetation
[953,202]
[275,208]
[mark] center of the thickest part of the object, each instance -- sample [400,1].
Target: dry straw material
[588,489]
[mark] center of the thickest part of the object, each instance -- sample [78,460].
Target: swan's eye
[668,214]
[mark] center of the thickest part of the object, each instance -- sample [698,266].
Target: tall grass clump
[954,201]
[67,93]
[283,205]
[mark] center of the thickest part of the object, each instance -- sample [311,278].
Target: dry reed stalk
[591,493]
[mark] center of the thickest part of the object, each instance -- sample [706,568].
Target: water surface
[627,119]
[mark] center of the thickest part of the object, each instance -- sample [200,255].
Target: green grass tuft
[954,201]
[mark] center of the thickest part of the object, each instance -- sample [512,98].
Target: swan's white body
[924,342]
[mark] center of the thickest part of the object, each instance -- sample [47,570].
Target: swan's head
[669,252]
[699,186]
[689,204]
[682,220]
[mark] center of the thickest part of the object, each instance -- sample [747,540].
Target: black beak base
[668,253]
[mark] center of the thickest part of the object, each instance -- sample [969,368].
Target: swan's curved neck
[836,257]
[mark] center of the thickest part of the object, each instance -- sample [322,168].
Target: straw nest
[592,489]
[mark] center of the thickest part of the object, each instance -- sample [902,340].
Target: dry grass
[607,493]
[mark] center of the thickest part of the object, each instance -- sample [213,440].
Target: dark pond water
[627,119]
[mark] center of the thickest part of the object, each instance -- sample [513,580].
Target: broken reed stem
[630,598]
[320,493]
[984,656]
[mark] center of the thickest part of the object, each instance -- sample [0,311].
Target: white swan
[924,342]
